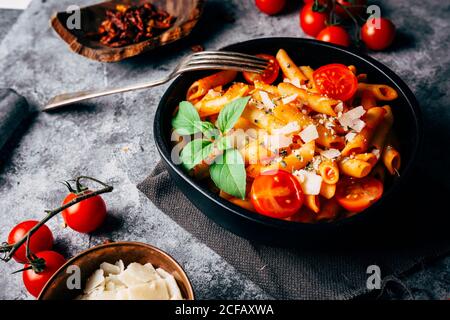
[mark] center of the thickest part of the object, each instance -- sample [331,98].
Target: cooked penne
[201,87]
[368,99]
[361,142]
[327,190]
[207,107]
[391,159]
[369,157]
[297,160]
[329,171]
[266,87]
[380,91]
[262,119]
[312,202]
[314,101]
[289,68]
[354,167]
[382,131]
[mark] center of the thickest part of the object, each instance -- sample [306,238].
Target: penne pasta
[329,171]
[391,159]
[354,167]
[201,87]
[312,202]
[313,100]
[289,68]
[327,190]
[382,131]
[208,107]
[361,141]
[380,91]
[368,99]
[262,119]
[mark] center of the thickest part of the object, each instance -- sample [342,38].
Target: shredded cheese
[309,133]
[309,181]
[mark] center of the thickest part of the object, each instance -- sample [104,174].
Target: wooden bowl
[88,261]
[187,12]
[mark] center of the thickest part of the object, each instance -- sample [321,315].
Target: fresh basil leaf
[228,173]
[209,130]
[195,152]
[186,120]
[231,113]
[224,143]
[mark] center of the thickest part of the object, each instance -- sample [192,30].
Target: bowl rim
[189,288]
[404,91]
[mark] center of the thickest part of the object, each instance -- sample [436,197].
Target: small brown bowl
[88,261]
[187,12]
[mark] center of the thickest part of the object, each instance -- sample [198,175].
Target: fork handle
[69,98]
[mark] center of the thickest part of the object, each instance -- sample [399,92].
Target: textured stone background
[111,138]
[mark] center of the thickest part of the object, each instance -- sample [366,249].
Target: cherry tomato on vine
[41,240]
[355,7]
[355,195]
[34,282]
[269,75]
[85,216]
[378,38]
[336,81]
[312,22]
[334,34]
[270,7]
[276,194]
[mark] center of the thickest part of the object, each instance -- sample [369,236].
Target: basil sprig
[227,170]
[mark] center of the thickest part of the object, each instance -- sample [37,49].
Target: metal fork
[206,60]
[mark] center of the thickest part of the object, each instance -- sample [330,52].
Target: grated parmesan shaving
[309,133]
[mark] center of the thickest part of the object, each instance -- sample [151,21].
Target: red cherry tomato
[334,34]
[85,216]
[34,282]
[269,75]
[41,240]
[378,38]
[312,22]
[276,194]
[355,7]
[270,7]
[335,81]
[355,195]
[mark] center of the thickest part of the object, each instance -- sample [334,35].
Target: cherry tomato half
[269,75]
[34,282]
[276,194]
[270,7]
[336,81]
[85,216]
[41,240]
[312,22]
[334,34]
[378,38]
[355,195]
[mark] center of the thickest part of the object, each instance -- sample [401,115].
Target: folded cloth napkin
[333,273]
[13,110]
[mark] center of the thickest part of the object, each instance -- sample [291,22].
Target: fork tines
[224,60]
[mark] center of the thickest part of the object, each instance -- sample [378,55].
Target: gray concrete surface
[111,138]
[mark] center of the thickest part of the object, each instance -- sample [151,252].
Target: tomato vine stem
[10,249]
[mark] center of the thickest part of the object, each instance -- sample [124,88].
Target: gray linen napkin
[13,110]
[289,273]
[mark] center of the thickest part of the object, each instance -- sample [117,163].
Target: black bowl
[407,126]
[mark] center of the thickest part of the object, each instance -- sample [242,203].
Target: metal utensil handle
[69,98]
